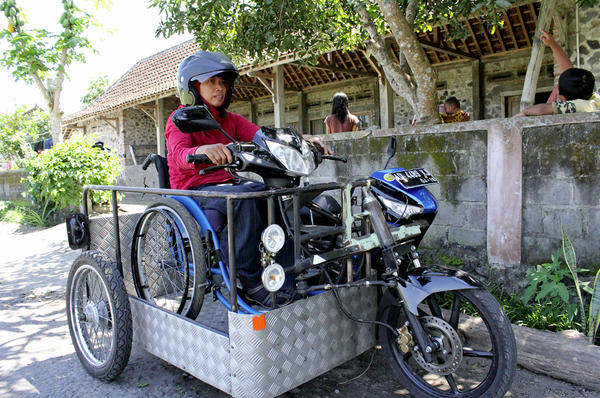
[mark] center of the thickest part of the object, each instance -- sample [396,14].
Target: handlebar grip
[202,158]
[338,158]
[147,161]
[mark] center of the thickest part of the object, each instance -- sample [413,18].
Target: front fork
[392,260]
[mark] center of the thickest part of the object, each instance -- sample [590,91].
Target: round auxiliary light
[273,277]
[273,238]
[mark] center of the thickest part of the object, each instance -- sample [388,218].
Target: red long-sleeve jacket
[183,175]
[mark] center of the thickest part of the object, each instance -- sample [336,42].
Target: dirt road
[37,358]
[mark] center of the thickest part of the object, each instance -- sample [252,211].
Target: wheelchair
[175,253]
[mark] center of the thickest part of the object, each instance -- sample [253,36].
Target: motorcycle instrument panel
[414,178]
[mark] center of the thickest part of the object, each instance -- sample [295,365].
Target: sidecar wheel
[467,364]
[99,315]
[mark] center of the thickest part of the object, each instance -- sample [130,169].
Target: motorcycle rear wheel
[485,363]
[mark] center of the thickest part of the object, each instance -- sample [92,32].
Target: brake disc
[448,356]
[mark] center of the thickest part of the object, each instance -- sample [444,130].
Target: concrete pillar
[279,97]
[160,127]
[504,194]
[386,103]
[302,113]
[253,112]
[476,95]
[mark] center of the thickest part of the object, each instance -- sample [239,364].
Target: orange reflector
[258,322]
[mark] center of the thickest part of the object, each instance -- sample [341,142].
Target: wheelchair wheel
[167,260]
[99,315]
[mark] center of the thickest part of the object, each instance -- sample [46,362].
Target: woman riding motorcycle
[208,78]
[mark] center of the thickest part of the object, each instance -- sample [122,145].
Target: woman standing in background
[340,119]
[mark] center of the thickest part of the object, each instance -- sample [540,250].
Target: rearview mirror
[194,118]
[391,150]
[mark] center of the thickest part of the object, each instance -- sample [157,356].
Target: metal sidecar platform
[246,355]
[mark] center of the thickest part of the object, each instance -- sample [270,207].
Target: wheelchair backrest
[162,168]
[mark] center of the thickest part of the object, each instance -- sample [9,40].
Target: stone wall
[453,80]
[139,131]
[561,188]
[11,187]
[504,77]
[589,38]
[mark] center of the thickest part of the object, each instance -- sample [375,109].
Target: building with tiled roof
[484,71]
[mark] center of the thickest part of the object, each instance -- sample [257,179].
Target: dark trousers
[248,225]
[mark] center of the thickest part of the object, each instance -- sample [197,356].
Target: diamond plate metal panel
[202,352]
[213,314]
[102,239]
[300,342]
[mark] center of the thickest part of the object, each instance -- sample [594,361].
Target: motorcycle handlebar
[202,158]
[147,161]
[338,158]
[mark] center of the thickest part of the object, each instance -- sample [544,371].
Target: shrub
[55,179]
[18,130]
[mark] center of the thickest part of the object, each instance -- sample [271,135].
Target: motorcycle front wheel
[476,351]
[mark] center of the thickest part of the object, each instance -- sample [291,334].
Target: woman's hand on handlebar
[217,153]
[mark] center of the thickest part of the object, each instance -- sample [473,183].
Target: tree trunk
[56,126]
[537,54]
[423,74]
[399,81]
[51,93]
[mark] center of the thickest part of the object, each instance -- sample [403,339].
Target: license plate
[414,178]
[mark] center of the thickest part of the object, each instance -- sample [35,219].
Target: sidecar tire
[97,302]
[502,364]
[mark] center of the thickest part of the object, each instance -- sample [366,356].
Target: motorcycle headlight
[308,156]
[403,210]
[300,164]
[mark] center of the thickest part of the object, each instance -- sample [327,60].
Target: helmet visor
[201,78]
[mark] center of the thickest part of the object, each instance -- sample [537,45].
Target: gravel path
[37,358]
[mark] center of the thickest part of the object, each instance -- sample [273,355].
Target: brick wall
[561,187]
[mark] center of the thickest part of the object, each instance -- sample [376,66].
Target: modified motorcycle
[441,332]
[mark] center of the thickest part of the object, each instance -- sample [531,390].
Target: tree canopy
[95,88]
[38,56]
[259,30]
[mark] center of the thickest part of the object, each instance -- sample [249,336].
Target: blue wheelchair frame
[196,211]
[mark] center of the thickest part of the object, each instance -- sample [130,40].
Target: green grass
[547,316]
[21,212]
